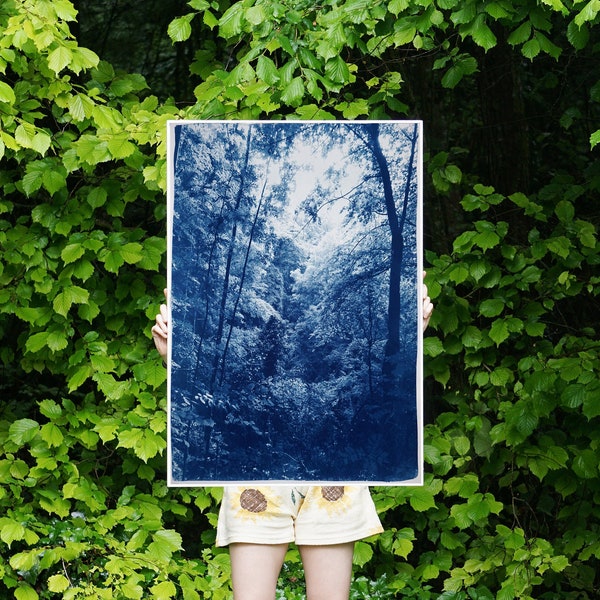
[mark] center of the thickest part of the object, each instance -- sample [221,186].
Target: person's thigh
[327,570]
[255,569]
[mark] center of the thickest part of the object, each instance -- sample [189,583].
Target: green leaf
[23,431]
[54,178]
[164,543]
[11,531]
[499,331]
[363,553]
[588,12]
[81,107]
[57,340]
[432,346]
[421,499]
[293,92]
[36,342]
[119,146]
[58,583]
[180,29]
[72,252]
[397,6]
[480,32]
[59,58]
[7,95]
[491,307]
[25,592]
[79,377]
[337,70]
[230,24]
[163,590]
[531,49]
[521,34]
[585,464]
[71,295]
[266,70]
[132,252]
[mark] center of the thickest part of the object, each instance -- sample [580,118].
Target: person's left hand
[160,330]
[427,305]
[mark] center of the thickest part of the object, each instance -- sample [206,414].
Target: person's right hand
[160,330]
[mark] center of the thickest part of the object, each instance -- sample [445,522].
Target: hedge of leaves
[509,507]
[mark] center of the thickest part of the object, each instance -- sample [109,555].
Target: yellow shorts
[306,515]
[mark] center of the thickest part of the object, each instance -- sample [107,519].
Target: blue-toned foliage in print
[293,301]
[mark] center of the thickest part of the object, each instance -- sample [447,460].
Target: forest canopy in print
[295,279]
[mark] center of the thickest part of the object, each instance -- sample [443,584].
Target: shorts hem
[355,537]
[245,540]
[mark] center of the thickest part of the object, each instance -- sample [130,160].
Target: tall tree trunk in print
[396,224]
[226,278]
[242,279]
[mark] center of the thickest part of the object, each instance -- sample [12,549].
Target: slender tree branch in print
[261,200]
[226,279]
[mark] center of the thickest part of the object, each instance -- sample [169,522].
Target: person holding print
[323,521]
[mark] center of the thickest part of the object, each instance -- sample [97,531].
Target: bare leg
[327,570]
[255,569]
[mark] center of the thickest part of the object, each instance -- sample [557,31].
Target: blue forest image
[294,278]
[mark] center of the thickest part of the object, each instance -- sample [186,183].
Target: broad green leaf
[363,553]
[397,6]
[54,179]
[293,92]
[11,531]
[163,590]
[57,340]
[23,431]
[97,197]
[25,135]
[71,295]
[588,12]
[119,146]
[58,583]
[169,538]
[432,346]
[36,342]
[531,49]
[499,332]
[180,29]
[480,32]
[501,376]
[421,499]
[51,434]
[132,252]
[521,34]
[25,592]
[585,464]
[64,10]
[80,107]
[50,409]
[7,95]
[32,181]
[491,307]
[72,252]
[59,58]
[337,70]
[266,70]
[472,337]
[230,24]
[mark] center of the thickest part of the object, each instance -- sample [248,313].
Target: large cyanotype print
[294,276]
